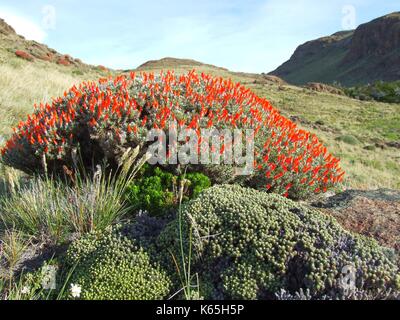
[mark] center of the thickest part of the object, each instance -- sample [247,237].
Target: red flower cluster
[117,113]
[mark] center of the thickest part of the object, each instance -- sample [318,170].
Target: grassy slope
[320,68]
[24,83]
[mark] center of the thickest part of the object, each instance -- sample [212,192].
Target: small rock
[24,55]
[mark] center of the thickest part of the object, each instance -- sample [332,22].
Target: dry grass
[22,84]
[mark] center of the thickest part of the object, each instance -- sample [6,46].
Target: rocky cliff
[367,54]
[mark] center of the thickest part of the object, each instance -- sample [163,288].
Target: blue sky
[242,35]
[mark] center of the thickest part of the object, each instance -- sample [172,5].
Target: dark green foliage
[197,183]
[153,191]
[380,91]
[249,244]
[110,266]
[157,191]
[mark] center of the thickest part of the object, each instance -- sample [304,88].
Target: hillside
[366,141]
[168,62]
[367,54]
[38,75]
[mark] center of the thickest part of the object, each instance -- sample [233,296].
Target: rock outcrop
[371,213]
[321,87]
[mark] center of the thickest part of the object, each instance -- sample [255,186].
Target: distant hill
[367,54]
[169,62]
[184,65]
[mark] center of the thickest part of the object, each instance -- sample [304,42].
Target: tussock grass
[54,210]
[13,244]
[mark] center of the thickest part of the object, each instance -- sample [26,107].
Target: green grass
[368,122]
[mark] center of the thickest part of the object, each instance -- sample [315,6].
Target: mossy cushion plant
[110,266]
[249,244]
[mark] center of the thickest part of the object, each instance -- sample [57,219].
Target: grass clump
[55,209]
[349,139]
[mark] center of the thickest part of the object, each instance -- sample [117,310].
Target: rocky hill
[367,54]
[14,44]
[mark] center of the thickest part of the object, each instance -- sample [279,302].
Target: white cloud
[24,26]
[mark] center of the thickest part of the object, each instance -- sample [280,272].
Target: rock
[47,57]
[24,55]
[371,213]
[102,68]
[270,79]
[394,144]
[378,38]
[321,87]
[65,60]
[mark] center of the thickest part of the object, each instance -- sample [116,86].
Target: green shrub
[370,148]
[157,191]
[109,266]
[349,139]
[388,92]
[197,183]
[249,244]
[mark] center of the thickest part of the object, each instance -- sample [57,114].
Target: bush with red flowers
[103,120]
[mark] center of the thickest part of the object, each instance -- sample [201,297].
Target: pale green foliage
[111,267]
[257,244]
